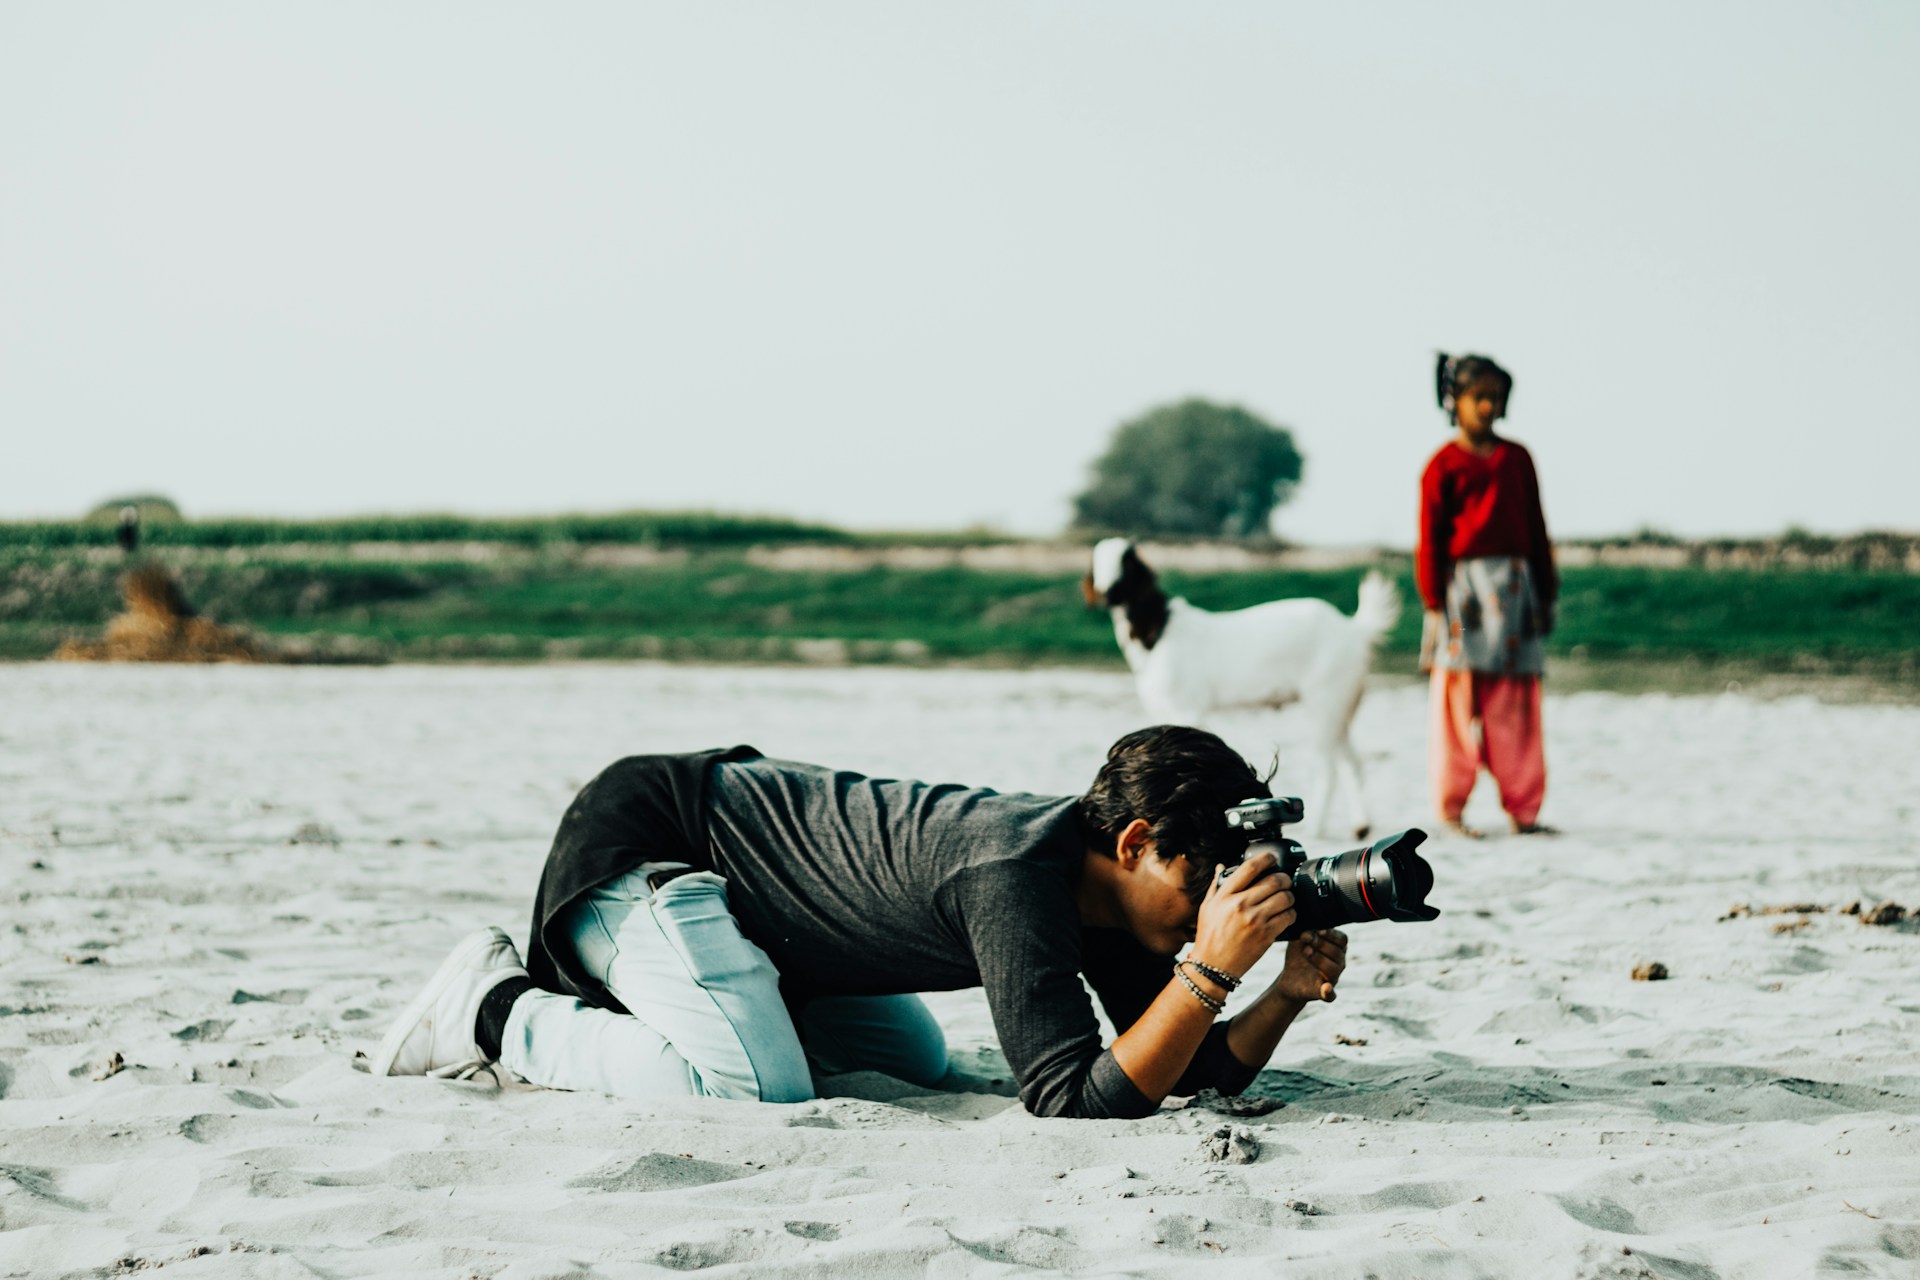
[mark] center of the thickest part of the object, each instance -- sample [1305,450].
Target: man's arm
[1240,919]
[1314,964]
[1030,966]
[1022,924]
[1157,1049]
[1129,979]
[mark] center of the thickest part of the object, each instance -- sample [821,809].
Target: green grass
[655,528]
[1801,618]
[1795,617]
[714,604]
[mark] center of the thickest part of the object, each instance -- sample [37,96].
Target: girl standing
[1485,570]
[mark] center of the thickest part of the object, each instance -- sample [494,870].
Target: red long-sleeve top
[1481,506]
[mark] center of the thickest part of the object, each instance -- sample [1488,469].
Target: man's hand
[1314,964]
[1243,913]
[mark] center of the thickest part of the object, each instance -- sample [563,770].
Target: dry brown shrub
[160,626]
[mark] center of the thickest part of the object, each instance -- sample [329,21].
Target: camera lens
[1387,880]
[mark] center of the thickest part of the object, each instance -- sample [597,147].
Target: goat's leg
[1325,783]
[1337,729]
[1357,784]
[1318,732]
[1340,767]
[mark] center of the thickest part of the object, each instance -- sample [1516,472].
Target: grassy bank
[620,528]
[718,604]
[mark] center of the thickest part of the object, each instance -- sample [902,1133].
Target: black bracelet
[1213,1006]
[1220,976]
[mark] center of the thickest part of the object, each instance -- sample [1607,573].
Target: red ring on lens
[1364,895]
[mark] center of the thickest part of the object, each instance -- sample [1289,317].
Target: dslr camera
[1386,880]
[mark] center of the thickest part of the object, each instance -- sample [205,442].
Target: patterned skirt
[1493,623]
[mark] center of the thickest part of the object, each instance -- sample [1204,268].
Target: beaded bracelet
[1220,976]
[1213,1006]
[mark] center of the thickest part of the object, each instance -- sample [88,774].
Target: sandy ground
[229,879]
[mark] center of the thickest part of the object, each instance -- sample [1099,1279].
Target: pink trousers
[1509,742]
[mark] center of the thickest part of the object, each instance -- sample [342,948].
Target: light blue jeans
[706,1014]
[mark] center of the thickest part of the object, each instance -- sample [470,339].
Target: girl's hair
[1452,374]
[1182,781]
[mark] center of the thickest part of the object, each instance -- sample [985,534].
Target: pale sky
[901,265]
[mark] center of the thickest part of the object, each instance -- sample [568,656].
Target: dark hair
[1181,781]
[1453,374]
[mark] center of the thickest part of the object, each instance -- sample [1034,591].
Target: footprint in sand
[813,1230]
[1800,960]
[207,1029]
[658,1171]
[1600,1214]
[44,1184]
[1413,1028]
[256,1101]
[1403,1195]
[205,1129]
[1544,1017]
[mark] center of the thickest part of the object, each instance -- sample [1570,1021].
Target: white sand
[1520,1106]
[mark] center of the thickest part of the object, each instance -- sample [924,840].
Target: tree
[152,509]
[1192,468]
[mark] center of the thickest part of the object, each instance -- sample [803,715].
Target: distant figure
[128,534]
[1485,570]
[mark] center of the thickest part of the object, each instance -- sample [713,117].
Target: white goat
[1189,662]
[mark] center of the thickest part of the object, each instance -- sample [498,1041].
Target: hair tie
[1445,372]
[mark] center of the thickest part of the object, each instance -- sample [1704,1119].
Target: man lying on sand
[722,924]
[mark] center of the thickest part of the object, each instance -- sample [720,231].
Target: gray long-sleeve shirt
[869,886]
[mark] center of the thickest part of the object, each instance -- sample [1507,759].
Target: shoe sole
[469,948]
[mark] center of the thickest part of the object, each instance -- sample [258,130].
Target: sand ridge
[232,877]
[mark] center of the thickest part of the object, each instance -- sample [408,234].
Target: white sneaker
[434,1034]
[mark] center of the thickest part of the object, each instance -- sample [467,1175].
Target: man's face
[1159,913]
